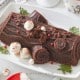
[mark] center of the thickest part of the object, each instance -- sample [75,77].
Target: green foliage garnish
[23,11]
[75,30]
[65,68]
[3,50]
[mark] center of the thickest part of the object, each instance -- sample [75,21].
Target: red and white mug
[18,76]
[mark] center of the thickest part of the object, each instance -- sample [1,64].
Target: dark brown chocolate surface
[53,44]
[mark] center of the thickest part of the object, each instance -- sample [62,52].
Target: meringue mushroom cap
[43,28]
[23,76]
[6,72]
[29,25]
[25,53]
[31,61]
[15,48]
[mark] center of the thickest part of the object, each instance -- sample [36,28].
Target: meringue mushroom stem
[25,53]
[15,48]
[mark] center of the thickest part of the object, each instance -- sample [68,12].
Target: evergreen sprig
[23,11]
[75,30]
[3,50]
[65,68]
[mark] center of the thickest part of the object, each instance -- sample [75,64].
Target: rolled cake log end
[40,54]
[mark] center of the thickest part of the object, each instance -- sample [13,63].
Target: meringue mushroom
[29,25]
[23,76]
[25,53]
[31,61]
[15,48]
[43,28]
[6,72]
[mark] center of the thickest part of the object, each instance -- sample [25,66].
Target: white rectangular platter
[56,19]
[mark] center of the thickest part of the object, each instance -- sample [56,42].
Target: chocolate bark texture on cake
[37,17]
[13,30]
[63,45]
[64,50]
[54,32]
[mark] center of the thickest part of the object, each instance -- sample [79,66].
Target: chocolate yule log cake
[46,42]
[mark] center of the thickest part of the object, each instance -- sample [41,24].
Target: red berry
[51,44]
[17,31]
[49,35]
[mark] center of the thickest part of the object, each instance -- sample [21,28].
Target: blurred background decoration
[21,1]
[48,3]
[73,6]
[3,3]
